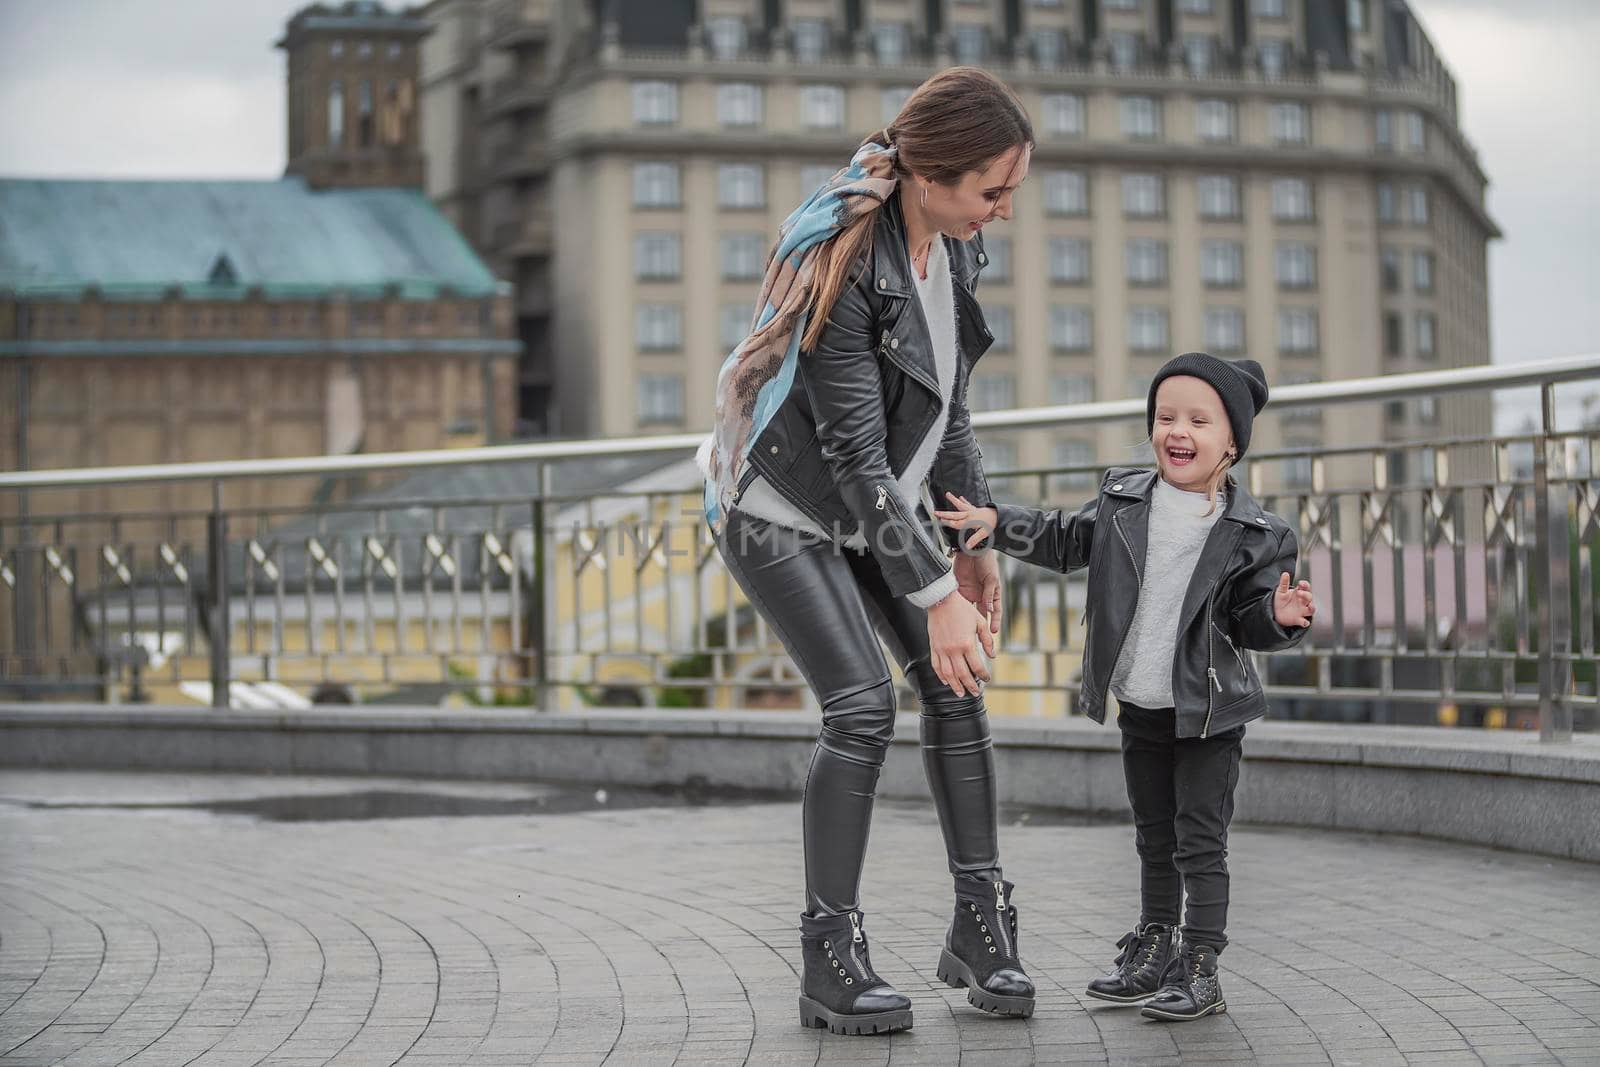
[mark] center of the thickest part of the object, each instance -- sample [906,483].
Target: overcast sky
[194,88]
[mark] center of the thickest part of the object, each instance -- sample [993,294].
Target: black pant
[1182,796]
[830,606]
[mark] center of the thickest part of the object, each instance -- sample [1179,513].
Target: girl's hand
[955,630]
[1293,607]
[982,521]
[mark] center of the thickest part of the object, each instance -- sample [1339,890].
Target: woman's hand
[955,629]
[1292,607]
[978,579]
[981,521]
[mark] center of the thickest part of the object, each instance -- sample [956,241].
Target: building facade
[1285,179]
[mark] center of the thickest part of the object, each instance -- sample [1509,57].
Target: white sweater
[936,293]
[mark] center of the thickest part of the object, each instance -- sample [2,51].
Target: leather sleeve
[844,384]
[1253,621]
[958,468]
[1053,539]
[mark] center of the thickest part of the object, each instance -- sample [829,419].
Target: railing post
[538,608]
[1552,564]
[221,627]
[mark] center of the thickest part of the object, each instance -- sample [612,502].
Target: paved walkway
[666,934]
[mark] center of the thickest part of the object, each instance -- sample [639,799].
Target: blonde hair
[959,120]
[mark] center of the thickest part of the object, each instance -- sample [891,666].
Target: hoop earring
[924,196]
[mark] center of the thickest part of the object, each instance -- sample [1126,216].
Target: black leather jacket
[863,400]
[1226,609]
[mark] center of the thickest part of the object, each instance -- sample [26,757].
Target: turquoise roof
[143,237]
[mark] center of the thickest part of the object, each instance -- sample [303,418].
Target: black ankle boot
[1147,951]
[838,988]
[1192,988]
[981,952]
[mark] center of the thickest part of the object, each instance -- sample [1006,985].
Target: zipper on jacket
[1211,670]
[1123,640]
[856,938]
[1239,659]
[883,498]
[1001,919]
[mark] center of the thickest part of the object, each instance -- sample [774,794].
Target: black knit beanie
[1240,383]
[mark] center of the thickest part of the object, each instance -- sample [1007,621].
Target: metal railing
[1457,577]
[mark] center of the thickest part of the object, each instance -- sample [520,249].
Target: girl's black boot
[1147,951]
[981,953]
[1192,989]
[838,987]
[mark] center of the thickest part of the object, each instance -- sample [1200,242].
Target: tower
[353,107]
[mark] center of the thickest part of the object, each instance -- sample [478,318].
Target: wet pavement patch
[422,803]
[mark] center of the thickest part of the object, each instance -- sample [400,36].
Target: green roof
[213,238]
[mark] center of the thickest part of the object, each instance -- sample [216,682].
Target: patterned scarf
[757,375]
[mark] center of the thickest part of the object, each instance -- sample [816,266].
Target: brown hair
[961,119]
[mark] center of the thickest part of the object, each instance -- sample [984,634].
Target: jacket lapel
[1239,520]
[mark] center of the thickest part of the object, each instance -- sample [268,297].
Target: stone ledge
[1480,786]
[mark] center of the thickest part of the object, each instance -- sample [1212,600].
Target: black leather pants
[830,606]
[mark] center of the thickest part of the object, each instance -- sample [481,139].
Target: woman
[835,417]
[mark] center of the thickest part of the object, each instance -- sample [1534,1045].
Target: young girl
[1186,571]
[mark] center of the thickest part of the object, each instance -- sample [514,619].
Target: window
[657,256]
[1069,260]
[1389,269]
[1071,328]
[1221,263]
[1197,51]
[733,325]
[335,49]
[1274,57]
[1072,389]
[810,39]
[660,398]
[815,176]
[1291,199]
[992,392]
[1074,454]
[1146,262]
[1298,468]
[1049,48]
[658,327]
[1215,120]
[363,49]
[744,256]
[335,114]
[1002,326]
[1417,204]
[1066,192]
[1427,409]
[1195,7]
[1421,271]
[821,107]
[1224,330]
[1147,329]
[891,41]
[1124,50]
[1296,265]
[1394,341]
[1426,329]
[1218,195]
[1122,5]
[971,44]
[1063,115]
[1356,15]
[1297,330]
[997,455]
[1288,123]
[1143,195]
[739,104]
[891,100]
[998,249]
[1386,203]
[364,123]
[1270,9]
[655,185]
[655,103]
[740,185]
[1383,130]
[1141,118]
[726,36]
[1416,131]
[393,51]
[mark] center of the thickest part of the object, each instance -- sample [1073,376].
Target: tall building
[1280,178]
